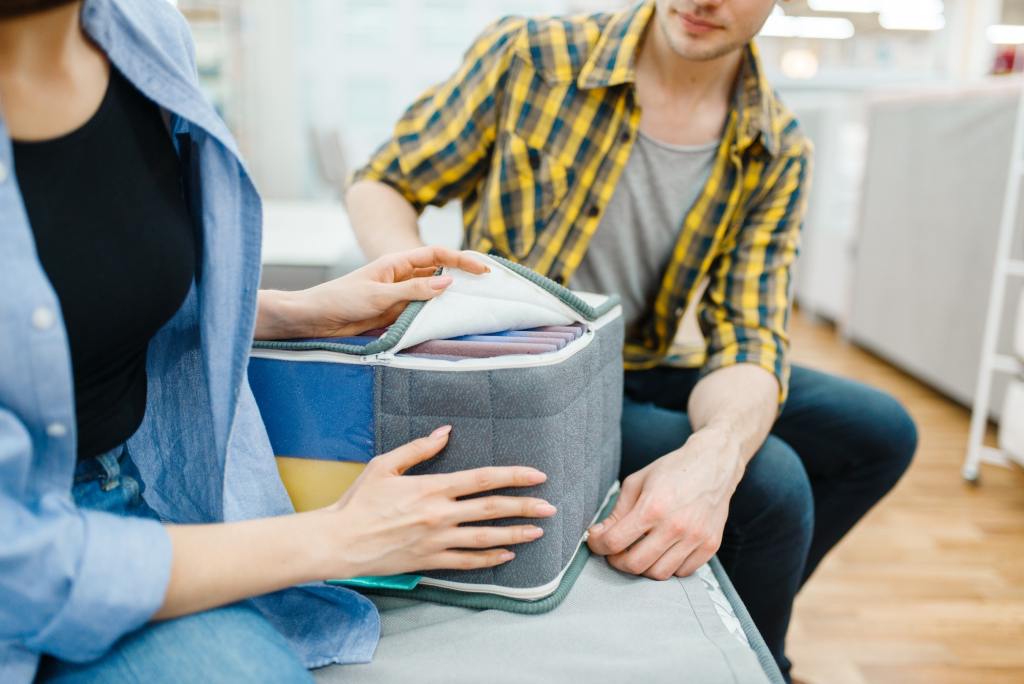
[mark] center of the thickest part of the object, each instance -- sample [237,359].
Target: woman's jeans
[836,449]
[230,644]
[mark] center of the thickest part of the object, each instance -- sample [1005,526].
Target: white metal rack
[1005,267]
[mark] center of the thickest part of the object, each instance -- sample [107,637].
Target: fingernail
[534,533]
[544,509]
[440,432]
[506,556]
[596,529]
[440,282]
[538,477]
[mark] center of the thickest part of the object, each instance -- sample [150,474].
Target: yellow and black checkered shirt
[532,133]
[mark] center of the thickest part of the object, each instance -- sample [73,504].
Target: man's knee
[775,493]
[883,438]
[894,433]
[837,423]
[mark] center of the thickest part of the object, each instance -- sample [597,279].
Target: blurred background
[911,105]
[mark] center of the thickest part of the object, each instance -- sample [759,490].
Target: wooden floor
[929,588]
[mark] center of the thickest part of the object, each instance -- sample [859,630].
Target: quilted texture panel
[562,419]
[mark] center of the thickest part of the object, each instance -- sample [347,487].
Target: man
[644,153]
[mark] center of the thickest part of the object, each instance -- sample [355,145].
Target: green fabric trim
[477,601]
[397,329]
[464,599]
[386,341]
[564,294]
[397,582]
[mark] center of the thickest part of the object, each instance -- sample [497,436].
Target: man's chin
[699,48]
[702,50]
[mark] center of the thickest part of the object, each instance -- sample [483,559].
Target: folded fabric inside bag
[526,372]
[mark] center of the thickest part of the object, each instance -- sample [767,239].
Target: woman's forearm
[218,564]
[283,315]
[385,523]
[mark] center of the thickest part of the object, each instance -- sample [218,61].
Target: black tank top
[115,238]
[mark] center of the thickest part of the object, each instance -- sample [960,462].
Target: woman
[128,275]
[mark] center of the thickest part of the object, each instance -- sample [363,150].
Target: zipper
[395,360]
[391,359]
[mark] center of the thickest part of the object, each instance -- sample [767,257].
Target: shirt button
[593,210]
[3,172]
[43,318]
[624,137]
[56,430]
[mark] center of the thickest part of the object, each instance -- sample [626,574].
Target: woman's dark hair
[17,8]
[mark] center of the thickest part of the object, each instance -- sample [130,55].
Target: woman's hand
[369,297]
[389,523]
[386,523]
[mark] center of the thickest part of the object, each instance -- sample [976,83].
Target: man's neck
[42,43]
[683,101]
[683,78]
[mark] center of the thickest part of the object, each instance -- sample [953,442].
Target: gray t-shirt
[634,241]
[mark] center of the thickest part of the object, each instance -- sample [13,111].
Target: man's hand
[670,516]
[369,297]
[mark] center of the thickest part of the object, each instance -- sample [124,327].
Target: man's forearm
[381,218]
[678,504]
[739,403]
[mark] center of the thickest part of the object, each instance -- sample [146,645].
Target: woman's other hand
[389,523]
[370,297]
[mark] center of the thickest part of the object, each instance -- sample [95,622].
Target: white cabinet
[933,189]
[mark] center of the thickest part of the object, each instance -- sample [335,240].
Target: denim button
[56,430]
[43,318]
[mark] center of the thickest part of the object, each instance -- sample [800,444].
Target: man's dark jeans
[836,449]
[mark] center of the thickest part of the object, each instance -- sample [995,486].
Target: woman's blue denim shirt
[73,581]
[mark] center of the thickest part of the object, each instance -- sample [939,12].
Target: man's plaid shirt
[532,133]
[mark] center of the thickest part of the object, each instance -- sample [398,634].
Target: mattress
[525,371]
[613,627]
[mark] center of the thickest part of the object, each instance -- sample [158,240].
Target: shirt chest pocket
[527,187]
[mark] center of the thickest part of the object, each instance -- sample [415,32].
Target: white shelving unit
[1006,267]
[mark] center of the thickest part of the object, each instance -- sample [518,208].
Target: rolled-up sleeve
[72,581]
[744,313]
